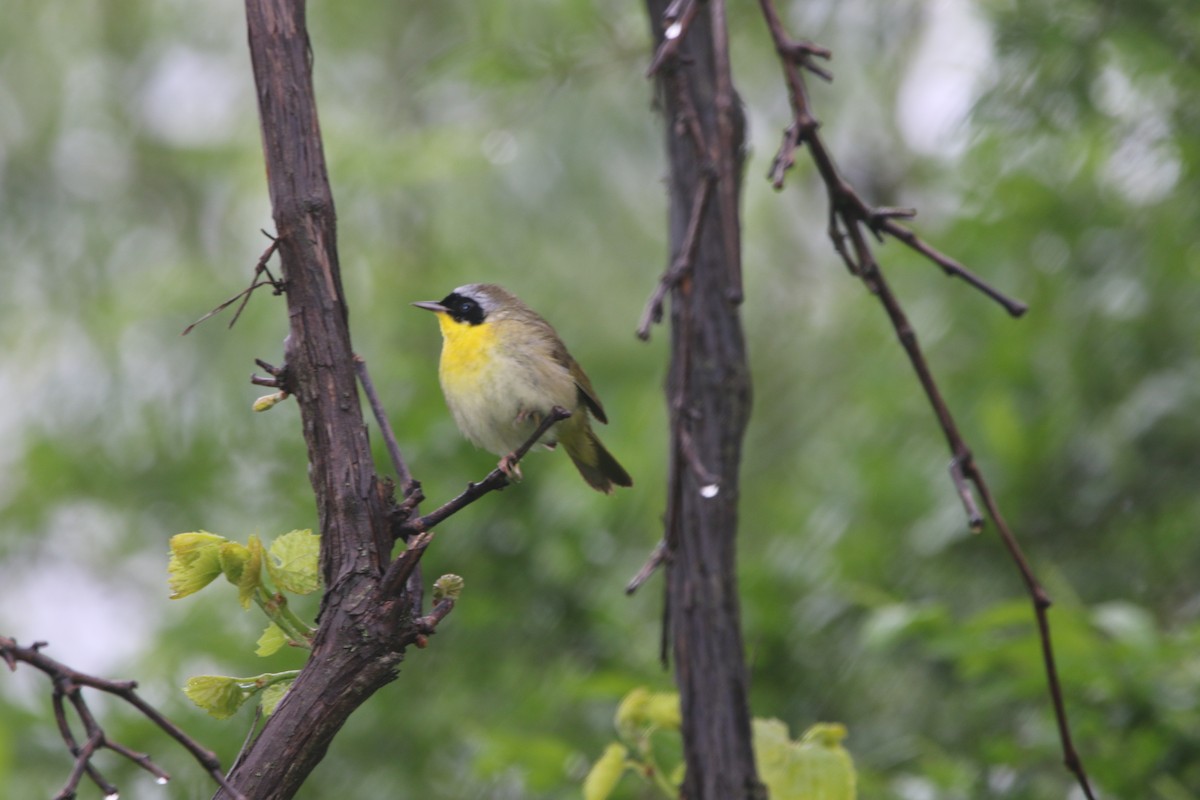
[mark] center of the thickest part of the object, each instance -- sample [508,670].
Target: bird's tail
[595,463]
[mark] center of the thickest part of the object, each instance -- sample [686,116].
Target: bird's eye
[464,309]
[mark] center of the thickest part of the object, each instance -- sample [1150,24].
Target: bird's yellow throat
[466,350]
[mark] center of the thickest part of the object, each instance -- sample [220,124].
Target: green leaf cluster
[263,577]
[816,767]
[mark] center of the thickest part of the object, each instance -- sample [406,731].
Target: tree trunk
[708,394]
[366,621]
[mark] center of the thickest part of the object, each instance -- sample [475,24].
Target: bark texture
[364,629]
[708,393]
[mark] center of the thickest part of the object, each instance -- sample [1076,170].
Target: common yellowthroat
[503,368]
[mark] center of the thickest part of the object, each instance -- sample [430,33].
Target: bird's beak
[430,305]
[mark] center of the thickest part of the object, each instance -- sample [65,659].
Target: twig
[951,267]
[428,623]
[725,104]
[680,267]
[656,559]
[405,565]
[67,684]
[974,518]
[688,447]
[244,294]
[849,216]
[844,201]
[410,489]
[407,484]
[677,23]
[496,479]
[278,376]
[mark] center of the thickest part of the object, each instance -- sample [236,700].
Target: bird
[503,368]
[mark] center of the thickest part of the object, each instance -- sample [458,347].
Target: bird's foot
[528,415]
[511,469]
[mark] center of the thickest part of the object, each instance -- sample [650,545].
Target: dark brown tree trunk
[366,619]
[708,393]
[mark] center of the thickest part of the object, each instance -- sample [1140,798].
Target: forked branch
[850,222]
[68,685]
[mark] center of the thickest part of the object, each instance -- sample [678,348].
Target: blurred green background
[1050,147]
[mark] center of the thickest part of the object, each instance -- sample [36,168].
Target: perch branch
[496,479]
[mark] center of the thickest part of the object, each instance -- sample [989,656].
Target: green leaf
[293,562]
[815,768]
[662,711]
[631,713]
[271,640]
[272,695]
[605,774]
[195,562]
[234,556]
[219,695]
[251,577]
[450,586]
[642,709]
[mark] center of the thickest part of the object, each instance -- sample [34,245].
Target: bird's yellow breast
[498,381]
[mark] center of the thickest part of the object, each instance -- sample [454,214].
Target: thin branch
[407,484]
[67,683]
[82,755]
[849,218]
[244,294]
[802,53]
[678,19]
[726,159]
[974,518]
[951,267]
[804,129]
[406,565]
[688,447]
[657,558]
[496,479]
[682,264]
[410,489]
[279,378]
[428,623]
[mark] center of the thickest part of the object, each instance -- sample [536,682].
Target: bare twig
[678,18]
[802,53]
[428,623]
[496,479]
[68,683]
[728,168]
[278,376]
[844,201]
[407,484]
[680,266]
[849,218]
[688,448]
[244,295]
[406,565]
[657,556]
[951,267]
[410,489]
[974,518]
